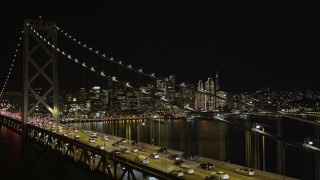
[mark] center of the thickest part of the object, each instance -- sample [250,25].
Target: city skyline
[251,45]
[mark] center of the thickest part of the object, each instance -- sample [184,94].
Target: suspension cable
[208,116]
[181,85]
[11,67]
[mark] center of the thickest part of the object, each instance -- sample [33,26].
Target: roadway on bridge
[163,163]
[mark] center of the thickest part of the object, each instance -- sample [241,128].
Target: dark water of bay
[207,138]
[38,164]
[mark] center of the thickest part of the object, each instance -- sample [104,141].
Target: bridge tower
[40,69]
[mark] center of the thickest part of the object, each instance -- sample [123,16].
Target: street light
[311,143]
[258,126]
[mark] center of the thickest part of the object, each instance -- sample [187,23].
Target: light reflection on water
[216,140]
[204,137]
[211,139]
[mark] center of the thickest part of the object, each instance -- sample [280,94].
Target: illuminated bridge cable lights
[152,76]
[83,64]
[58,49]
[11,67]
[68,58]
[209,116]
[125,84]
[76,41]
[119,63]
[129,67]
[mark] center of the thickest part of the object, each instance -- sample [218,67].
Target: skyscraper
[209,100]
[199,104]
[206,102]
[217,81]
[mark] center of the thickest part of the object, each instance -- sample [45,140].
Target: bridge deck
[163,163]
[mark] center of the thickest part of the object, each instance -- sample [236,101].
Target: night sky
[252,44]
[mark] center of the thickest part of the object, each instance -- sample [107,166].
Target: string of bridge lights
[162,98]
[126,84]
[119,63]
[11,67]
[101,73]
[152,75]
[129,67]
[104,56]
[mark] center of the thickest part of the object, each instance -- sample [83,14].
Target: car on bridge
[163,150]
[122,141]
[125,150]
[189,156]
[106,137]
[77,138]
[142,149]
[134,149]
[92,140]
[206,165]
[245,171]
[116,144]
[115,152]
[176,172]
[154,156]
[101,147]
[186,169]
[67,134]
[142,159]
[93,135]
[179,163]
[174,157]
[135,143]
[219,175]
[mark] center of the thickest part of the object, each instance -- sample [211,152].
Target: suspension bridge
[40,70]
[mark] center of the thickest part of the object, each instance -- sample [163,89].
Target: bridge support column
[256,145]
[248,141]
[280,149]
[317,155]
[115,171]
[40,69]
[144,176]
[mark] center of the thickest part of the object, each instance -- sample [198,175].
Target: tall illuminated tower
[216,90]
[40,68]
[217,81]
[209,88]
[200,96]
